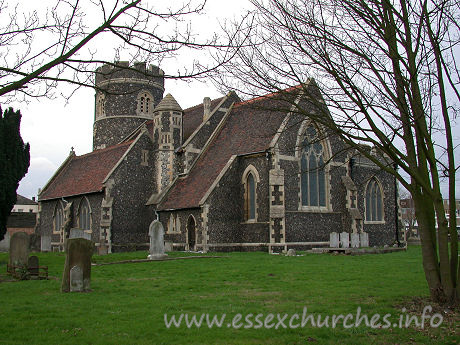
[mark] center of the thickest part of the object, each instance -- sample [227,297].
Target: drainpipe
[395,166]
[351,162]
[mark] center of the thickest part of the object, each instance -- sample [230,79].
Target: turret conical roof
[168,103]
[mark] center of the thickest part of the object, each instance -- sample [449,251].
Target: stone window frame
[84,203]
[250,169]
[173,225]
[145,158]
[374,181]
[176,120]
[326,152]
[100,105]
[58,208]
[165,138]
[144,103]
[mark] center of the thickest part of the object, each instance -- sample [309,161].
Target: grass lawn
[128,301]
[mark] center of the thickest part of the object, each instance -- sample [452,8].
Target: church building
[223,175]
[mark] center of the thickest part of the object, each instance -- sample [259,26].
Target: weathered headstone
[76,279]
[19,249]
[79,233]
[32,265]
[364,239]
[157,245]
[168,246]
[45,245]
[334,240]
[354,240]
[344,240]
[78,253]
[291,252]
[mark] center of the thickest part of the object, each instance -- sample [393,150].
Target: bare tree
[389,75]
[64,43]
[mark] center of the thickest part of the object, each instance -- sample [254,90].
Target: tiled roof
[22,200]
[194,116]
[249,128]
[84,174]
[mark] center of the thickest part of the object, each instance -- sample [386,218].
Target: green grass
[128,301]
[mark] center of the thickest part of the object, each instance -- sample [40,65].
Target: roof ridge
[105,149]
[267,96]
[200,104]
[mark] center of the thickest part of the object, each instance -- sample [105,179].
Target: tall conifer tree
[14,162]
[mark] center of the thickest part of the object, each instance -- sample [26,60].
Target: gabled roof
[193,117]
[250,127]
[22,200]
[84,174]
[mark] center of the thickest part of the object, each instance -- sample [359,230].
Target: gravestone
[291,252]
[354,240]
[157,245]
[168,246]
[364,239]
[334,240]
[32,265]
[19,249]
[79,233]
[344,240]
[78,253]
[45,243]
[76,279]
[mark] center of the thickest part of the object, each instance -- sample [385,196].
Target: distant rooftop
[22,200]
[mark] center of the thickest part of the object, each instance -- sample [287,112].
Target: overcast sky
[53,127]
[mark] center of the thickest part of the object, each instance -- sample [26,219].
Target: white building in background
[24,204]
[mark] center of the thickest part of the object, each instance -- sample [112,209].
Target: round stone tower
[125,98]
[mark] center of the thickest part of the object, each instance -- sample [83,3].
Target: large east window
[312,170]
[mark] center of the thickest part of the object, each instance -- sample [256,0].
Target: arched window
[144,103]
[100,105]
[251,195]
[250,180]
[84,215]
[312,170]
[374,201]
[58,218]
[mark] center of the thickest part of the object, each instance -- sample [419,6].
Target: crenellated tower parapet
[125,98]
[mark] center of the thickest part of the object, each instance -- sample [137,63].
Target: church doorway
[191,232]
